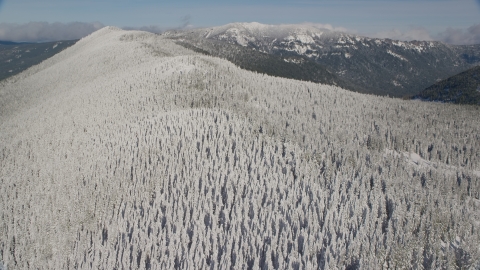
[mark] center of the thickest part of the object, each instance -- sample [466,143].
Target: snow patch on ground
[419,49]
[305,39]
[300,49]
[399,43]
[416,160]
[317,34]
[293,60]
[397,84]
[412,158]
[397,55]
[313,54]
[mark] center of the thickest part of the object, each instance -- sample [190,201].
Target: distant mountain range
[3,42]
[302,52]
[16,57]
[463,88]
[368,65]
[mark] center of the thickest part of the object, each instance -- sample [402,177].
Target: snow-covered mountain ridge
[380,66]
[128,151]
[303,36]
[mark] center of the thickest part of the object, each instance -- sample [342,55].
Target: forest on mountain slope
[17,57]
[291,67]
[368,65]
[129,151]
[463,88]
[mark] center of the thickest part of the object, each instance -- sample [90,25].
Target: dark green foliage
[388,69]
[367,65]
[2,42]
[289,66]
[17,57]
[463,88]
[193,48]
[470,53]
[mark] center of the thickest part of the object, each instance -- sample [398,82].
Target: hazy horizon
[450,21]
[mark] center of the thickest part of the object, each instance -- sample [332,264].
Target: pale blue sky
[429,18]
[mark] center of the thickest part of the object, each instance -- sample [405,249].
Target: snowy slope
[129,151]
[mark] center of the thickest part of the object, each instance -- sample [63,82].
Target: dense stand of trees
[463,88]
[128,151]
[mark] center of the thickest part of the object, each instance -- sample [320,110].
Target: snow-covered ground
[128,151]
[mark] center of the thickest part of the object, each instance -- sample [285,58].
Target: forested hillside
[463,88]
[17,57]
[368,65]
[128,151]
[291,67]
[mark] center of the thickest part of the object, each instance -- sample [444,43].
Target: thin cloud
[185,24]
[152,29]
[44,31]
[328,27]
[454,36]
[460,36]
[413,33]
